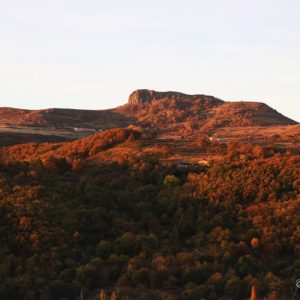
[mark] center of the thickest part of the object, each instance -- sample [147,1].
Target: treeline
[70,228]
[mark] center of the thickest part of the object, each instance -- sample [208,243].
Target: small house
[203,162]
[184,165]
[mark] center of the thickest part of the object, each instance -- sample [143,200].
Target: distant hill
[172,110]
[62,118]
[161,111]
[153,108]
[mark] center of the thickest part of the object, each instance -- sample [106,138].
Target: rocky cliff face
[147,96]
[141,96]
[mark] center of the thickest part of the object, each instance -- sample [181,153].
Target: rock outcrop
[141,96]
[147,96]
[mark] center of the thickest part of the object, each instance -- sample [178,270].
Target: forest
[136,228]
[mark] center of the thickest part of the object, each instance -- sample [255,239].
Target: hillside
[174,111]
[19,126]
[61,118]
[153,108]
[85,148]
[115,211]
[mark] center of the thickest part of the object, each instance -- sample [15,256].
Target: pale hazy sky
[93,53]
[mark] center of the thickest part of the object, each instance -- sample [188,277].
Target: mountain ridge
[141,98]
[171,111]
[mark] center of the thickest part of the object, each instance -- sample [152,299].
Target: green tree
[171,181]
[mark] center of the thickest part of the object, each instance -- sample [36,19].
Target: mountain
[170,112]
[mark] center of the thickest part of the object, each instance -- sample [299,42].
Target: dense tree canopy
[138,229]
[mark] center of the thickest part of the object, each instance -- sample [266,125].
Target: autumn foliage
[137,229]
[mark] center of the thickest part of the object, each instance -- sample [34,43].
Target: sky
[92,54]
